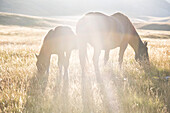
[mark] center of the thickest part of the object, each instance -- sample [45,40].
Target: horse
[105,32]
[60,41]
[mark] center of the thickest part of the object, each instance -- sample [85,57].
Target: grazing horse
[105,33]
[60,41]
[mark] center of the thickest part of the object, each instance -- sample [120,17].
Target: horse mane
[126,21]
[47,36]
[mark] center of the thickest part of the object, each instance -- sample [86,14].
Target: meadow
[132,90]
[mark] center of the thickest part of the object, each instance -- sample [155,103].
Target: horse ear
[36,56]
[145,43]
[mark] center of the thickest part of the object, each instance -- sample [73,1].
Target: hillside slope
[145,23]
[31,21]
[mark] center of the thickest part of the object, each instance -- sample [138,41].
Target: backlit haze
[136,8]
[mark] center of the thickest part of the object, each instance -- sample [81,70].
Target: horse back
[99,29]
[62,38]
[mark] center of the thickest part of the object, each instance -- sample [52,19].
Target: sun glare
[84,56]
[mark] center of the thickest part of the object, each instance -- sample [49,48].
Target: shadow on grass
[107,92]
[42,99]
[86,94]
[36,99]
[61,97]
[138,89]
[103,91]
[38,96]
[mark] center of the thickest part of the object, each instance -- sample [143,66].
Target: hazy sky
[168,0]
[79,7]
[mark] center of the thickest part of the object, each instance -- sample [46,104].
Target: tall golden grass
[132,90]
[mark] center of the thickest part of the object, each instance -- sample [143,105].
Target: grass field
[132,90]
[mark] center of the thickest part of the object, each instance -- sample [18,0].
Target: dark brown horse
[60,41]
[108,32]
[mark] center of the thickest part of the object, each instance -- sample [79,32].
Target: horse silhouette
[60,41]
[105,32]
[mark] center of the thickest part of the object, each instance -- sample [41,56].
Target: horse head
[41,65]
[142,55]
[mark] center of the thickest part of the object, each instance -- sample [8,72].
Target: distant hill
[31,21]
[148,23]
[155,19]
[153,26]
[152,23]
[135,8]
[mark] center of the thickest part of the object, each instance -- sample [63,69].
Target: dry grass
[134,90]
[155,34]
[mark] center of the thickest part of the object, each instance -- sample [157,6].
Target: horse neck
[135,42]
[45,53]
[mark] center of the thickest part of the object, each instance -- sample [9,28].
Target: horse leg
[99,79]
[106,56]
[66,82]
[121,53]
[60,62]
[82,57]
[48,68]
[96,60]
[66,63]
[60,65]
